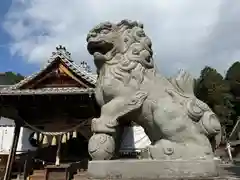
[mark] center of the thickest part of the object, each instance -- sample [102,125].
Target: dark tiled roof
[65,57]
[4,86]
[65,90]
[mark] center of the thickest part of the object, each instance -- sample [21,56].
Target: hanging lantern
[64,138]
[54,141]
[45,139]
[74,134]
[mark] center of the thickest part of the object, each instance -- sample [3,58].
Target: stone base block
[152,169]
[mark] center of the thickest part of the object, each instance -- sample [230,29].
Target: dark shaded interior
[74,150]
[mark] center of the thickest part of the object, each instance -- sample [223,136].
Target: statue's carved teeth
[102,47]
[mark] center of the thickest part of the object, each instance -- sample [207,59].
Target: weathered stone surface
[152,169]
[129,87]
[226,172]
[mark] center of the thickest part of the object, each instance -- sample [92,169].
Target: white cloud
[179,29]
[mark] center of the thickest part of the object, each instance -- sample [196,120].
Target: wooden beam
[65,70]
[11,156]
[39,81]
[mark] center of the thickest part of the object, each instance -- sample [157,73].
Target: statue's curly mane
[130,89]
[135,60]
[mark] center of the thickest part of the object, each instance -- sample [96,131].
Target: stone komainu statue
[129,88]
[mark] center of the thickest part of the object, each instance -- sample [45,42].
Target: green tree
[233,78]
[214,90]
[9,78]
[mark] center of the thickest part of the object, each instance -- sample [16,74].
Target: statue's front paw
[100,125]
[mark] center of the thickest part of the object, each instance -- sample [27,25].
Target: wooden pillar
[11,156]
[25,168]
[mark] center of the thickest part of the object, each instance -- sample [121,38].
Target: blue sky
[10,62]
[186,34]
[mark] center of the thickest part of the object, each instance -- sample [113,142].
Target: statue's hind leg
[181,137]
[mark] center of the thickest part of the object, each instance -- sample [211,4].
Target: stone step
[229,172]
[38,175]
[81,176]
[39,172]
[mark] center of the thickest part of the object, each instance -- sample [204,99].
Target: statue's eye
[105,31]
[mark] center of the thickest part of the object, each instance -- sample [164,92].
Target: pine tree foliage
[214,90]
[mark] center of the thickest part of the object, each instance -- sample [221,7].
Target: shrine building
[58,104]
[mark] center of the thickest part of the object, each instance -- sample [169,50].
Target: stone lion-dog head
[122,48]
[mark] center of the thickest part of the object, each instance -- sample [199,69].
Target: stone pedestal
[152,169]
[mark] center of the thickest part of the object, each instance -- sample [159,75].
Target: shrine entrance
[74,150]
[58,103]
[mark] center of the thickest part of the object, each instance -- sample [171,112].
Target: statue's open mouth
[102,47]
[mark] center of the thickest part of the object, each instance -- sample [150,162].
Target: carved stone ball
[101,147]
